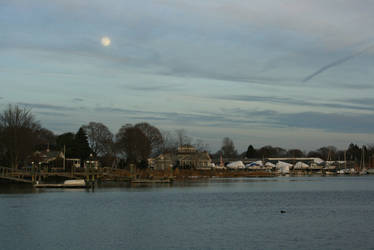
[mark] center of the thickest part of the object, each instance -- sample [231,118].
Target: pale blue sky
[290,73]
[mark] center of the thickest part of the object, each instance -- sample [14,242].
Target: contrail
[336,63]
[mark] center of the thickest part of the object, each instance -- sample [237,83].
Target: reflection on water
[321,212]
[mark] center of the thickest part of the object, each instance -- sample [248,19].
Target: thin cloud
[51,114]
[47,106]
[361,101]
[181,118]
[358,104]
[151,87]
[78,99]
[331,122]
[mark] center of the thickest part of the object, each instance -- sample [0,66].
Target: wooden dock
[147,181]
[137,176]
[14,175]
[38,176]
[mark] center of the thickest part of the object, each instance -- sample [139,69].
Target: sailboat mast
[345,159]
[363,157]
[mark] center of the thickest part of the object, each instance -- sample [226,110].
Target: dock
[146,181]
[39,177]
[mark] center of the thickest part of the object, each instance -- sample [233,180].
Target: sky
[288,73]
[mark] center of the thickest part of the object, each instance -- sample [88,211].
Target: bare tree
[18,135]
[99,138]
[182,138]
[45,138]
[327,153]
[154,136]
[200,145]
[295,153]
[270,151]
[228,148]
[170,143]
[132,142]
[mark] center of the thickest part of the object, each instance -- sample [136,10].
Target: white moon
[105,41]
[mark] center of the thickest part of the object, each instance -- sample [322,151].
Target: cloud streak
[330,122]
[77,99]
[179,119]
[336,63]
[240,118]
[47,106]
[364,104]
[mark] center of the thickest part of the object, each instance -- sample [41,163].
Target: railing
[4,171]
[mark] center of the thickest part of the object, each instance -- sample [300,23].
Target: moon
[105,41]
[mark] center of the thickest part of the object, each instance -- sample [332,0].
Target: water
[321,213]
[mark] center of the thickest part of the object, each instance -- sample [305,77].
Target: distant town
[33,154]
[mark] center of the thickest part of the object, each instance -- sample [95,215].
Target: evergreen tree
[66,140]
[251,152]
[81,147]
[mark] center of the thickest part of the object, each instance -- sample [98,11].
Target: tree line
[328,153]
[21,135]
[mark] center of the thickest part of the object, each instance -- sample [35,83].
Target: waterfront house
[48,158]
[73,162]
[161,162]
[189,157]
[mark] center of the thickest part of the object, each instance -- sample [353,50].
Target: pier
[33,176]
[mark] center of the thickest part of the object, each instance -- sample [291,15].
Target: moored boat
[370,171]
[67,184]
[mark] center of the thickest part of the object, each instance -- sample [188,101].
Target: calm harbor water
[321,213]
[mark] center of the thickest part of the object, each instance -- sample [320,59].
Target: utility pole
[64,157]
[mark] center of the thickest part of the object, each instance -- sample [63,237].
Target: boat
[67,184]
[363,171]
[341,171]
[330,173]
[370,171]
